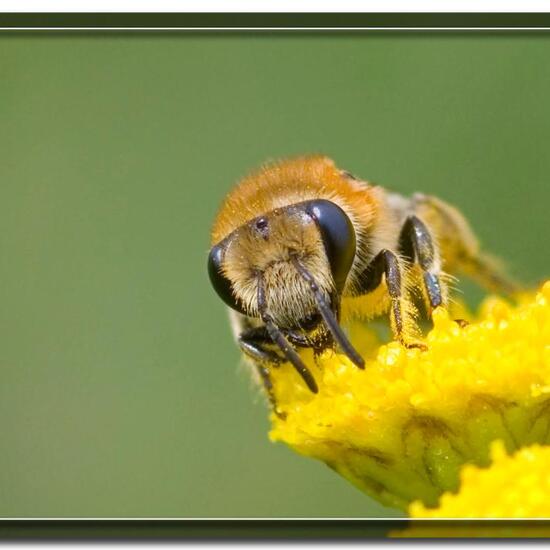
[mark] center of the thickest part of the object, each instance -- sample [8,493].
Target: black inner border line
[298,21]
[260,529]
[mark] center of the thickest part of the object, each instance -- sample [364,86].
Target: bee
[299,241]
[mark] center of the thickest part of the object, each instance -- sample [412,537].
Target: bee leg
[488,272]
[298,339]
[265,375]
[386,263]
[460,247]
[253,343]
[416,244]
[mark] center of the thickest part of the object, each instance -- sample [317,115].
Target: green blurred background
[120,387]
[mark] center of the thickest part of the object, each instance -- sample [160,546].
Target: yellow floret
[512,487]
[401,429]
[515,486]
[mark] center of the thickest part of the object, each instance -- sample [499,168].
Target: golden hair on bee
[299,241]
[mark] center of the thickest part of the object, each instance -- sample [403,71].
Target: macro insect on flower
[300,245]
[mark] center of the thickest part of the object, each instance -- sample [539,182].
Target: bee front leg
[416,244]
[253,343]
[387,264]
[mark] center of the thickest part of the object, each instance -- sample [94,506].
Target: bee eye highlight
[338,237]
[222,285]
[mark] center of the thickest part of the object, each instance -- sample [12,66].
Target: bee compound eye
[338,237]
[222,285]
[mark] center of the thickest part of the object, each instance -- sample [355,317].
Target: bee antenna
[328,315]
[278,338]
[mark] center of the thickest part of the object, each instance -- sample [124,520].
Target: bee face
[317,234]
[264,248]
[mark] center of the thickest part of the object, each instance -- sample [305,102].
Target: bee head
[282,261]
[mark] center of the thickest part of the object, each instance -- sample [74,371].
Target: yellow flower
[512,487]
[401,429]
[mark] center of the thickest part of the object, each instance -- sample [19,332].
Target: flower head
[402,428]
